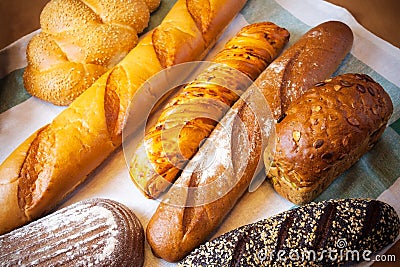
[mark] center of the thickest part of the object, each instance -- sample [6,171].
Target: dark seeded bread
[96,232]
[325,132]
[340,227]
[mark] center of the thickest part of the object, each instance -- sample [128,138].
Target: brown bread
[325,132]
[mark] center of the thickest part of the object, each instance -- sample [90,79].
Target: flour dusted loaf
[78,42]
[58,157]
[331,229]
[94,232]
[325,132]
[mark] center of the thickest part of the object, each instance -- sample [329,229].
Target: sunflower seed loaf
[325,132]
[328,233]
[94,232]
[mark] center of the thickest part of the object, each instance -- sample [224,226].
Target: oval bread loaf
[94,232]
[79,41]
[325,132]
[329,233]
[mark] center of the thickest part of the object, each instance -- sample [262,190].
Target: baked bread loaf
[224,167]
[329,233]
[325,132]
[57,158]
[191,115]
[212,182]
[78,42]
[313,58]
[94,232]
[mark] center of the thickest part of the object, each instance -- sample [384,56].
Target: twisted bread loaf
[57,158]
[79,41]
[329,233]
[325,132]
[190,116]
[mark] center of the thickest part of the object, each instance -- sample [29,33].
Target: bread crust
[96,231]
[325,132]
[313,58]
[81,137]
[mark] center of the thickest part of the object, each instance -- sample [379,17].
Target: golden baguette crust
[174,230]
[189,117]
[80,40]
[61,155]
[325,132]
[314,57]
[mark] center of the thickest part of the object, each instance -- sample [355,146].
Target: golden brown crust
[325,132]
[174,231]
[81,137]
[80,40]
[190,116]
[314,57]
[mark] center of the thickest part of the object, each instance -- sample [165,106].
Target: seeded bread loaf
[329,233]
[57,158]
[325,132]
[94,232]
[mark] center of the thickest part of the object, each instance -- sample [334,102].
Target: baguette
[325,132]
[187,217]
[57,158]
[78,42]
[329,233]
[190,116]
[93,232]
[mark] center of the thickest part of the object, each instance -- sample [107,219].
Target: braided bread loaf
[79,41]
[191,115]
[57,158]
